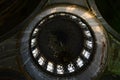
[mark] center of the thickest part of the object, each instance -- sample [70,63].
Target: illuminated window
[41,61]
[73,17]
[33,41]
[35,52]
[35,31]
[87,33]
[71,68]
[50,67]
[83,25]
[62,14]
[89,44]
[60,69]
[42,22]
[79,62]
[51,16]
[86,54]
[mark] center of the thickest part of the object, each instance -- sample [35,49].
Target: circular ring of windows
[64,42]
[75,64]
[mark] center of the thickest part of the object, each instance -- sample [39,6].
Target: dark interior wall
[14,12]
[110,10]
